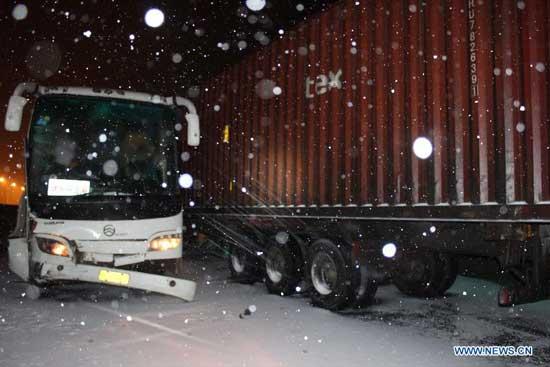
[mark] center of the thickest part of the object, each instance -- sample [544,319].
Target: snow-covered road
[91,325]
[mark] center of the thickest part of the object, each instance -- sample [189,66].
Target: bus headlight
[53,247]
[164,243]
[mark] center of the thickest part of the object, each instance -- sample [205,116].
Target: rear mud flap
[181,288]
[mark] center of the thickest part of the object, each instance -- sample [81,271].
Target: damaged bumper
[180,288]
[47,267]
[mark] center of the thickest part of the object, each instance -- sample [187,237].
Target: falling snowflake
[20,12]
[255,5]
[154,18]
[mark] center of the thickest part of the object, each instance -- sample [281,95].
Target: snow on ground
[92,325]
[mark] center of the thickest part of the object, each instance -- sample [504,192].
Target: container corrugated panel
[328,113]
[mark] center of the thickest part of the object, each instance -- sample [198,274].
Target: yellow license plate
[114,277]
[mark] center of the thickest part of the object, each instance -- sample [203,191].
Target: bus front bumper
[181,288]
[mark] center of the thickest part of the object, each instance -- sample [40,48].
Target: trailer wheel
[282,274]
[425,273]
[364,287]
[449,270]
[329,276]
[242,266]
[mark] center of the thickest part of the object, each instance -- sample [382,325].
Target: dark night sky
[49,46]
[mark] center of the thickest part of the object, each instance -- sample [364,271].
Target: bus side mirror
[14,114]
[193,129]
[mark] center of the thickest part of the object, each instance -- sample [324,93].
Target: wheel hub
[275,266]
[415,270]
[237,262]
[324,274]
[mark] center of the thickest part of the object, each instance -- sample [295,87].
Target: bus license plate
[114,277]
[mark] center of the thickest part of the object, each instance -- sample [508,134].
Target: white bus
[102,186]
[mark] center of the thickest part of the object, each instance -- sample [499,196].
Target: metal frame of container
[404,74]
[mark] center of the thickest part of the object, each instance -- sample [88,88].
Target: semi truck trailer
[102,189]
[383,140]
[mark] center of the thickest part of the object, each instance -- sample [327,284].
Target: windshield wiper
[102,194]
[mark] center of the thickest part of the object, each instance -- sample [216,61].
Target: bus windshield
[88,146]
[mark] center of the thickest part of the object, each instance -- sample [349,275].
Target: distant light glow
[389,250]
[87,34]
[102,138]
[255,5]
[422,148]
[185,181]
[277,91]
[154,18]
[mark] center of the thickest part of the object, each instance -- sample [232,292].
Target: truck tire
[425,273]
[364,287]
[281,268]
[330,278]
[242,265]
[449,270]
